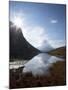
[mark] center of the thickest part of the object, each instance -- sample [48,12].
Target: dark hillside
[19,47]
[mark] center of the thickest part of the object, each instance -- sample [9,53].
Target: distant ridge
[60,52]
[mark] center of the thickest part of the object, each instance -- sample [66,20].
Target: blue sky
[40,22]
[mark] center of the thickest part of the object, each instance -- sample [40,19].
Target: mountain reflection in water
[40,64]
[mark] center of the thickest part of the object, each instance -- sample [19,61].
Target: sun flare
[18,22]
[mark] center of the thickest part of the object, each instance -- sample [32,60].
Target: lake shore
[57,77]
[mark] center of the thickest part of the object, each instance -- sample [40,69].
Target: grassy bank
[59,52]
[56,77]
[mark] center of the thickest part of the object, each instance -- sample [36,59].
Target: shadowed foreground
[56,77]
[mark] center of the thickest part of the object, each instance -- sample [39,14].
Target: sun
[18,22]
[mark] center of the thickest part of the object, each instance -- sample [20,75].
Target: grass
[56,77]
[59,52]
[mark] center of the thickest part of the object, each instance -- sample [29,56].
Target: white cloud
[57,43]
[54,21]
[34,35]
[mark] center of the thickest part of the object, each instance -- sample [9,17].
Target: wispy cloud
[54,21]
[57,43]
[37,35]
[34,35]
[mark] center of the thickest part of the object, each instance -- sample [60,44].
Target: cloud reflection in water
[40,64]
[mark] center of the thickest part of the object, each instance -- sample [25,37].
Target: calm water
[16,64]
[38,65]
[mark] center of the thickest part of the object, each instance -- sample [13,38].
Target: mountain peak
[19,47]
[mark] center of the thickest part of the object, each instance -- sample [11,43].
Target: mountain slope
[61,52]
[19,47]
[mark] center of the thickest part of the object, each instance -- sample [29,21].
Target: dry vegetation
[59,52]
[56,77]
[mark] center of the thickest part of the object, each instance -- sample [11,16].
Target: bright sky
[40,22]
